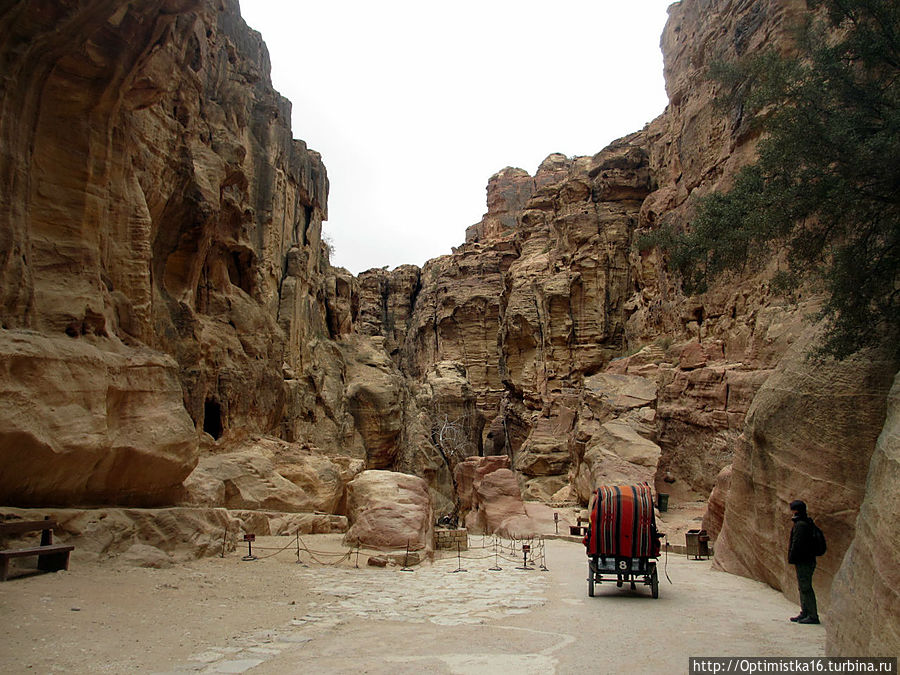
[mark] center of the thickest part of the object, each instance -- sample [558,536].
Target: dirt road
[224,615]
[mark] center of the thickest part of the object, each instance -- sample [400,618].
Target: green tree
[825,190]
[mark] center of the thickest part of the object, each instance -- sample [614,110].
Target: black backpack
[818,539]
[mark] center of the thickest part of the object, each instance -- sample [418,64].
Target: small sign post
[526,549]
[249,538]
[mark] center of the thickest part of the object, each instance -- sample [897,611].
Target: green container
[662,501]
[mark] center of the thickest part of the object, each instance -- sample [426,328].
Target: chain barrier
[528,550]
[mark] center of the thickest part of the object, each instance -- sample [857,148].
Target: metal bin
[697,544]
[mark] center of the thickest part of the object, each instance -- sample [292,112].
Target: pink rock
[494,500]
[715,508]
[470,472]
[389,510]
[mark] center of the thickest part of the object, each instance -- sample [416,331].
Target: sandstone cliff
[548,302]
[172,333]
[163,274]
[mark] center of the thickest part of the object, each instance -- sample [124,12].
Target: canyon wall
[548,291]
[589,365]
[172,332]
[164,279]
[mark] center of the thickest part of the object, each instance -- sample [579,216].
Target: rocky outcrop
[182,533]
[90,421]
[614,433]
[715,507]
[490,499]
[810,434]
[158,213]
[386,300]
[389,510]
[865,600]
[457,318]
[269,474]
[508,191]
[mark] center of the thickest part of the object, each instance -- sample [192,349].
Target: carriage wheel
[654,583]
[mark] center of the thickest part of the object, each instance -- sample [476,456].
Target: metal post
[459,567]
[249,538]
[406,567]
[526,549]
[496,567]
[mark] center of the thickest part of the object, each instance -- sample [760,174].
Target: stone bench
[51,557]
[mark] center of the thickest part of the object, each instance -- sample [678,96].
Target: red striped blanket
[623,523]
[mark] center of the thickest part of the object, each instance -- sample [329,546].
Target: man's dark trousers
[807,595]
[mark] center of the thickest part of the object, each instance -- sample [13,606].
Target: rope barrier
[486,547]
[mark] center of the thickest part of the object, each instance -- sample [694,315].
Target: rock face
[152,196]
[490,498]
[268,474]
[389,510]
[810,433]
[865,599]
[166,303]
[163,281]
[84,423]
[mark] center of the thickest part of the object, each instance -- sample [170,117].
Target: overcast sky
[415,104]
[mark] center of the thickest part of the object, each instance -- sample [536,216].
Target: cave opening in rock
[240,264]
[212,418]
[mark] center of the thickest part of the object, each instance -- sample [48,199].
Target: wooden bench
[51,557]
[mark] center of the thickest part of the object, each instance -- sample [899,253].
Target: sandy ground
[275,615]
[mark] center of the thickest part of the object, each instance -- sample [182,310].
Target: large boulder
[267,473]
[500,508]
[810,434]
[470,472]
[490,499]
[865,596]
[389,510]
[90,421]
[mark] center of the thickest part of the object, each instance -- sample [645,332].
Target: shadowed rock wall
[163,274]
[865,594]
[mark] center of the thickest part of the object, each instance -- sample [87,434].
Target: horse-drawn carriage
[622,541]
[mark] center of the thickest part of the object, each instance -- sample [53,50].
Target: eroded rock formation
[171,331]
[490,501]
[810,434]
[865,598]
[389,510]
[164,278]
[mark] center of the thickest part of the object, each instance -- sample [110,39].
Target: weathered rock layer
[172,333]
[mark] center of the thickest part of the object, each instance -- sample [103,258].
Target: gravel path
[275,616]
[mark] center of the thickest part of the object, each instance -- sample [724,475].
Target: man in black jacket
[801,554]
